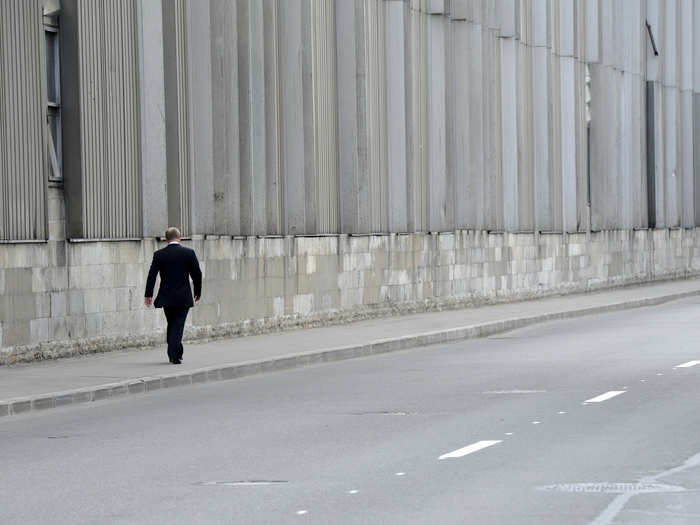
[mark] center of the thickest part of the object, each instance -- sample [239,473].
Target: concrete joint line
[15,406]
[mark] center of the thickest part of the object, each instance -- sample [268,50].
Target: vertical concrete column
[696,114]
[509,103]
[671,63]
[440,210]
[226,155]
[200,118]
[526,198]
[629,175]
[294,136]
[352,117]
[541,102]
[582,215]
[686,113]
[472,93]
[376,114]
[634,84]
[177,114]
[654,16]
[459,151]
[154,196]
[509,127]
[395,34]
[252,124]
[568,114]
[325,114]
[491,90]
[416,121]
[273,177]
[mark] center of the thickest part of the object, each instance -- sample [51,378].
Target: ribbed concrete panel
[395,63]
[440,203]
[417,123]
[636,39]
[474,208]
[111,190]
[177,114]
[151,108]
[353,118]
[541,109]
[458,121]
[659,157]
[555,135]
[526,198]
[295,77]
[696,154]
[568,102]
[273,174]
[22,123]
[686,86]
[260,124]
[696,113]
[582,212]
[491,89]
[325,114]
[672,117]
[687,170]
[252,114]
[509,126]
[225,132]
[200,119]
[376,115]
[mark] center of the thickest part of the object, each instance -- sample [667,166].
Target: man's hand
[196,298]
[148,301]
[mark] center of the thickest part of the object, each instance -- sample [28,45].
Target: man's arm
[151,281]
[196,274]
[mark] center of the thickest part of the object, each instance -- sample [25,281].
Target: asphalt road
[361,441]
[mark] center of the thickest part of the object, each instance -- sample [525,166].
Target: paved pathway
[107,375]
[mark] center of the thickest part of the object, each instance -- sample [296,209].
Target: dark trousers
[176,317]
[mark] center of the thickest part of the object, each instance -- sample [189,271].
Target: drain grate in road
[516,391]
[241,483]
[612,488]
[384,413]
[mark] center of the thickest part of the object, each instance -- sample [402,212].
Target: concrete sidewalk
[77,380]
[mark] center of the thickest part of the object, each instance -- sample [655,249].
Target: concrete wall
[300,117]
[384,118]
[61,298]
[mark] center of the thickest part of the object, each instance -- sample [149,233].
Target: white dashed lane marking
[469,449]
[688,364]
[605,397]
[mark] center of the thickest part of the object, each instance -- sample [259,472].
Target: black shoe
[176,362]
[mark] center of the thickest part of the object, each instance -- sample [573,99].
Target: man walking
[176,264]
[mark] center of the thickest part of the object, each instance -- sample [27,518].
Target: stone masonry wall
[64,298]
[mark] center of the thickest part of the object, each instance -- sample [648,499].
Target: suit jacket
[176,264]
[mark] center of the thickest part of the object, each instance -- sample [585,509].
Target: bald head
[172,234]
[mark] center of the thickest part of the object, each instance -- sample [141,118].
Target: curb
[21,405]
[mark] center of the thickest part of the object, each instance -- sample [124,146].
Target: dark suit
[176,264]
